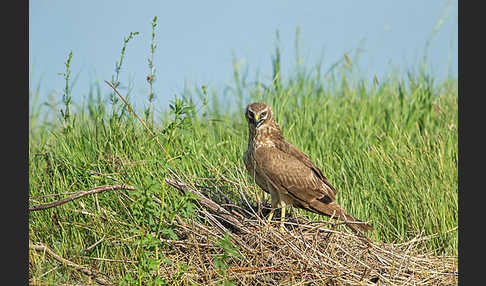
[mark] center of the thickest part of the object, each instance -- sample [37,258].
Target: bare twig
[79,195]
[136,115]
[83,269]
[211,205]
[82,252]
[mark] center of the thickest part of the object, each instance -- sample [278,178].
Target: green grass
[390,148]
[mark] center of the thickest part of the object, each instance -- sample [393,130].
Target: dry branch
[79,195]
[83,269]
[208,203]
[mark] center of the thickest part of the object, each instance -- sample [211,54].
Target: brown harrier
[285,172]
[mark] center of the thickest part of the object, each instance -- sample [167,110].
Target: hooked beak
[255,121]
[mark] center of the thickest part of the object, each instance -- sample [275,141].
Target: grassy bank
[389,146]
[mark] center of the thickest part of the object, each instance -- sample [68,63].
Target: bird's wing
[293,177]
[250,167]
[290,149]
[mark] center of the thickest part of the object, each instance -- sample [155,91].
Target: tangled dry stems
[306,252]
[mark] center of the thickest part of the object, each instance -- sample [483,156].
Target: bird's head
[258,114]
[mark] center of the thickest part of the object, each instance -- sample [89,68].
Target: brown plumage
[282,170]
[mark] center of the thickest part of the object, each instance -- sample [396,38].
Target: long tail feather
[333,210]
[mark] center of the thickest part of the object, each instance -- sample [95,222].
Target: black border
[15,217]
[471,144]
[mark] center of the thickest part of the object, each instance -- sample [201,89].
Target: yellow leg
[275,203]
[282,218]
[270,215]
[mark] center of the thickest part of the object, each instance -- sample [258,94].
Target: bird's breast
[261,140]
[265,143]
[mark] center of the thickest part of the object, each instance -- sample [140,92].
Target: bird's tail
[335,211]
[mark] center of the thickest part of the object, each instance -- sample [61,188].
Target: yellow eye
[263,114]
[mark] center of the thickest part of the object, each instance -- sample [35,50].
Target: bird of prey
[282,170]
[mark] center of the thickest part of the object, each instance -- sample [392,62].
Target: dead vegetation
[315,253]
[306,252]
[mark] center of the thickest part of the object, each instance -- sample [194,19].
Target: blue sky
[197,40]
